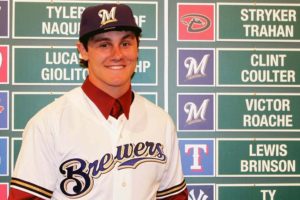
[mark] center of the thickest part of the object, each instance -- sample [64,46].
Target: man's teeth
[116,67]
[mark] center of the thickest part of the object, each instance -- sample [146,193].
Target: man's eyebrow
[105,38]
[98,39]
[129,35]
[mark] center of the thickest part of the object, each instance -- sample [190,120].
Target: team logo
[195,112]
[197,156]
[3,156]
[80,174]
[3,64]
[195,67]
[201,192]
[3,110]
[195,21]
[107,17]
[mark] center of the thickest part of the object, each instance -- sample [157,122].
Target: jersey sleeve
[173,182]
[35,170]
[180,196]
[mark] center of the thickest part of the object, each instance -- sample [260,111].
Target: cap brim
[136,30]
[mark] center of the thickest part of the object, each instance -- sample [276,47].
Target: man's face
[112,58]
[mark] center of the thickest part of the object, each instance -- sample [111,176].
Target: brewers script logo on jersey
[81,173]
[3,64]
[195,67]
[195,21]
[201,192]
[197,156]
[195,112]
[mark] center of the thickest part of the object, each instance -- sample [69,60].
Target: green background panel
[230,154]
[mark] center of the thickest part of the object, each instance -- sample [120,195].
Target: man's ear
[82,51]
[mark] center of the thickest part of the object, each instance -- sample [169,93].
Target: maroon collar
[104,101]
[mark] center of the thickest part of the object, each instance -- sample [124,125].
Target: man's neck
[113,91]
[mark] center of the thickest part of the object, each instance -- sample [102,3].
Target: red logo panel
[3,191]
[196,22]
[3,64]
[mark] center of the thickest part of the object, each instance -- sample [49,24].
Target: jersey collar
[104,101]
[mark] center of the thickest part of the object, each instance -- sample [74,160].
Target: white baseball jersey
[71,151]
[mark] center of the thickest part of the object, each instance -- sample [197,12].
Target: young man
[82,147]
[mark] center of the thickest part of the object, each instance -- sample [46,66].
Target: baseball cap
[107,17]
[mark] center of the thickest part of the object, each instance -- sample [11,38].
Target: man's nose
[117,53]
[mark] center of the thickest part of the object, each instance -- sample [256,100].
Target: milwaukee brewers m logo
[107,17]
[194,115]
[196,70]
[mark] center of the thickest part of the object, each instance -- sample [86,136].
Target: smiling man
[101,141]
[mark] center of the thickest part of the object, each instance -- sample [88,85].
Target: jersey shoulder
[144,107]
[53,110]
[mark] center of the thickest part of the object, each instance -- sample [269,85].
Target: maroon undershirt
[104,101]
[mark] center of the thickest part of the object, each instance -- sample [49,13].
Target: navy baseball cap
[107,17]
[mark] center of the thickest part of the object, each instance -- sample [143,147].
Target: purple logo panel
[195,112]
[201,192]
[196,67]
[4,18]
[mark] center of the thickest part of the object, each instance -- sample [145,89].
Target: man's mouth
[116,67]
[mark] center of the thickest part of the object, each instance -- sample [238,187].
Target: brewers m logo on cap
[107,17]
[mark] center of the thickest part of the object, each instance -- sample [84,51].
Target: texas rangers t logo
[197,156]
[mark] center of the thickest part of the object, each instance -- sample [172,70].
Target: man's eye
[125,44]
[103,45]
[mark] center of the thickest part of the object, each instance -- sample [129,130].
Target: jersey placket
[121,177]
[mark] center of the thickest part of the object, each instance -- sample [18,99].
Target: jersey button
[124,184]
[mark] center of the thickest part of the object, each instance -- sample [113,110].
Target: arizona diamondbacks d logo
[195,22]
[107,17]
